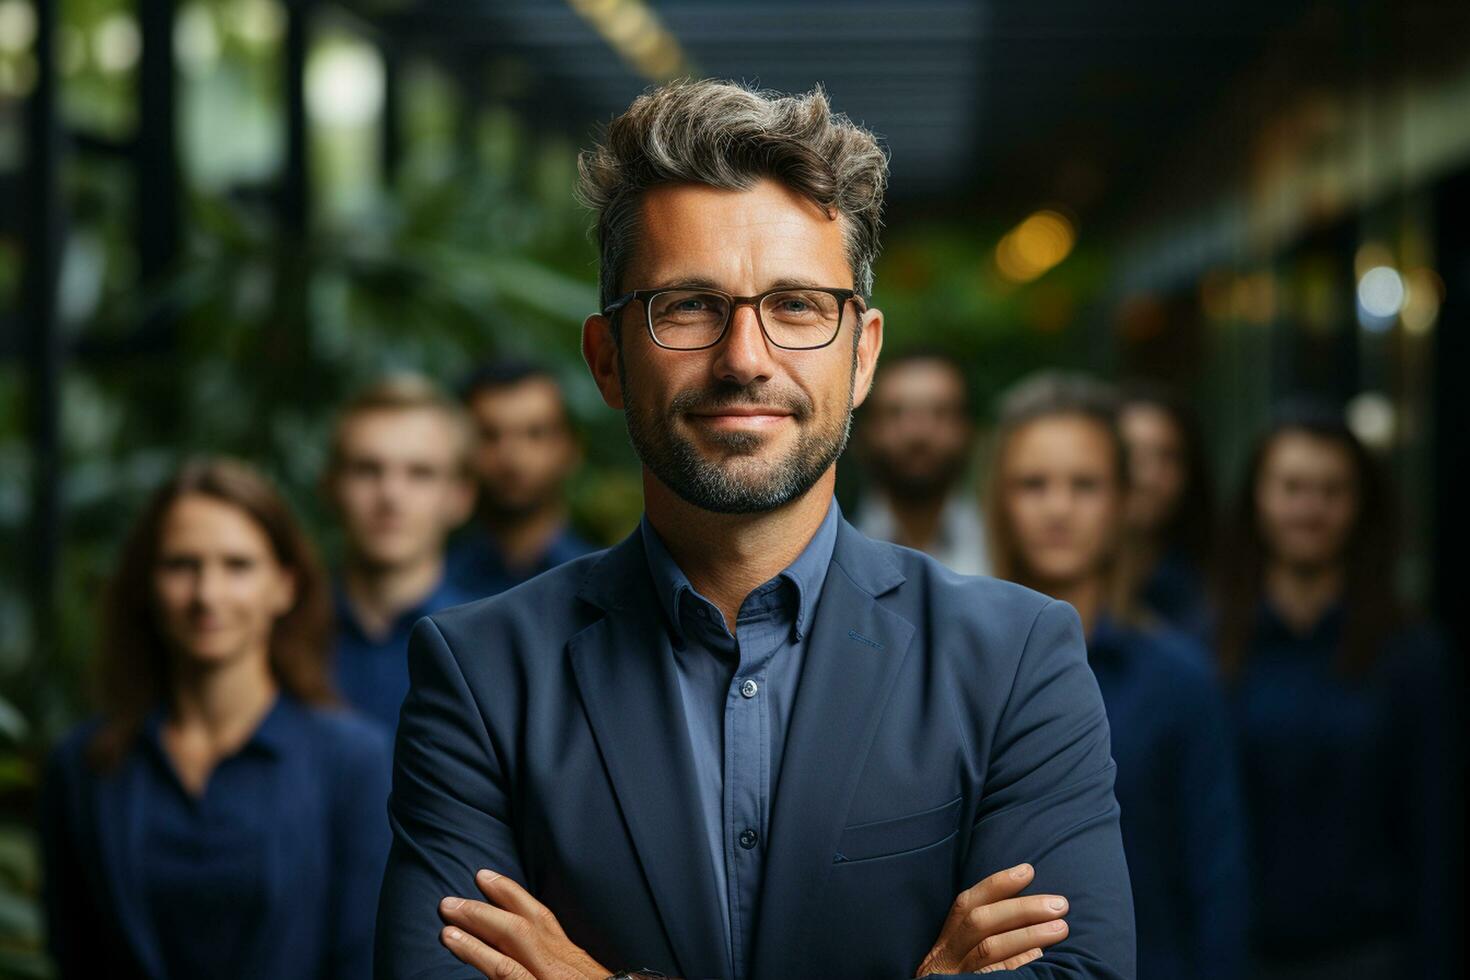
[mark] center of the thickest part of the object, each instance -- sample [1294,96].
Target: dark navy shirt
[1349,789]
[737,691]
[273,870]
[1183,827]
[372,673]
[1175,591]
[477,566]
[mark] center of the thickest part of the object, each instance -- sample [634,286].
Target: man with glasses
[748,741]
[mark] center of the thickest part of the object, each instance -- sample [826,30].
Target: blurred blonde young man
[399,481]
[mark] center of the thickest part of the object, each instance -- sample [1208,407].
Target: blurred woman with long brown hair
[220,818]
[1342,706]
[1056,505]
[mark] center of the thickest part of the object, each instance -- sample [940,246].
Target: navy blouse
[1177,786]
[1349,788]
[273,871]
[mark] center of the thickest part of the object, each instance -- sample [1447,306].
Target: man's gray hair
[729,135]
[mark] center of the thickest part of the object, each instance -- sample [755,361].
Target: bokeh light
[1035,246]
[345,83]
[116,43]
[1380,297]
[1371,416]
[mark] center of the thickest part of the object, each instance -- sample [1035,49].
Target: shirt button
[749,689]
[749,838]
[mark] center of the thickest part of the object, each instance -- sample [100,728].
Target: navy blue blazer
[323,862]
[945,727]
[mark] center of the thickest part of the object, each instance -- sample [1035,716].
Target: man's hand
[513,937]
[989,929]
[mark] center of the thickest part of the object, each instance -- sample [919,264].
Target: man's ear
[600,351]
[868,347]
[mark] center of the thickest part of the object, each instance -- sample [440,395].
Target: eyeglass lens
[686,319]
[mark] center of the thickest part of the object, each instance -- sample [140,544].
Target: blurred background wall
[220,216]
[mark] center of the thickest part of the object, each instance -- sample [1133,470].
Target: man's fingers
[998,949]
[505,931]
[491,962]
[509,895]
[1015,913]
[1014,963]
[957,936]
[1002,884]
[991,921]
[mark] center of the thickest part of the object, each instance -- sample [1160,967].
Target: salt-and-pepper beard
[707,484]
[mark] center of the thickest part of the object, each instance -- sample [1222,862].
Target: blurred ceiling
[1008,104]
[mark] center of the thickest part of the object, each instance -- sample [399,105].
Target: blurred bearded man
[525,452]
[917,439]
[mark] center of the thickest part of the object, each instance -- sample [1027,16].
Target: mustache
[729,395]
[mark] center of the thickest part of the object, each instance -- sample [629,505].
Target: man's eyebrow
[703,282]
[797,282]
[692,282]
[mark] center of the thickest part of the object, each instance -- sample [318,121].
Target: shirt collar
[807,573]
[443,595]
[273,734]
[1323,633]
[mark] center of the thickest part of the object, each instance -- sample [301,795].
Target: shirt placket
[747,763]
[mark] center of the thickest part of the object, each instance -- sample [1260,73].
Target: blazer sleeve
[449,812]
[1048,800]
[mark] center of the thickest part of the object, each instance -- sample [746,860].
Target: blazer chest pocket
[899,835]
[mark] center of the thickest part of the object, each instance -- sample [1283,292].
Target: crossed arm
[1048,799]
[511,936]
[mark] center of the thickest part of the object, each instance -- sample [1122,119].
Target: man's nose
[744,356]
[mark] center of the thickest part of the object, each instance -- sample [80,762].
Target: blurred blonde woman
[1057,500]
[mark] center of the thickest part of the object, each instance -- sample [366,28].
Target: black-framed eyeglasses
[693,318]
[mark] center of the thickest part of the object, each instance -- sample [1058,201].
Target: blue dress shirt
[272,872]
[372,673]
[1177,785]
[737,691]
[1350,790]
[477,567]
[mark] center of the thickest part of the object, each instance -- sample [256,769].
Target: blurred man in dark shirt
[399,481]
[525,452]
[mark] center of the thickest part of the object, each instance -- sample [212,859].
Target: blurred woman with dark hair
[220,819]
[1343,709]
[1171,510]
[1056,504]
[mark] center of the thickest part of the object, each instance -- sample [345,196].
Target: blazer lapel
[855,652]
[625,673]
[119,821]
